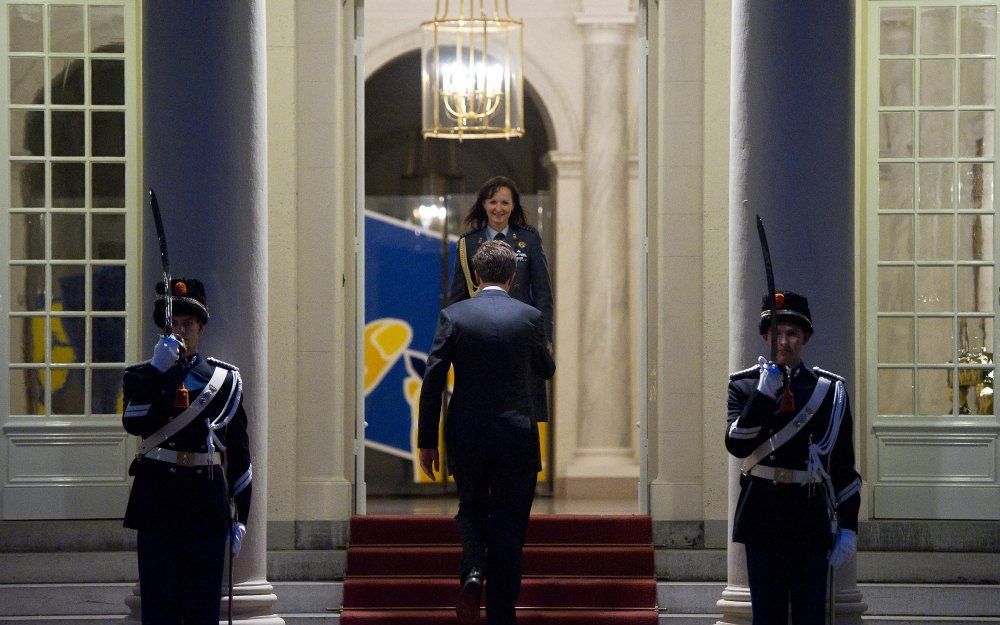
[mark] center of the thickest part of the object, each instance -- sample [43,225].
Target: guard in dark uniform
[797,512]
[489,220]
[193,461]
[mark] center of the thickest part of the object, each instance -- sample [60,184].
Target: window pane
[69,236]
[106,391]
[977,81]
[27,288]
[896,82]
[896,31]
[895,186]
[107,236]
[109,133]
[975,133]
[895,289]
[936,134]
[975,186]
[27,339]
[67,391]
[895,135]
[27,185]
[937,30]
[67,80]
[895,237]
[895,391]
[27,80]
[937,186]
[68,340]
[67,133]
[27,133]
[107,339]
[107,81]
[975,237]
[895,340]
[68,185]
[934,237]
[936,338]
[109,288]
[66,29]
[25,34]
[108,185]
[975,289]
[68,282]
[975,334]
[934,392]
[937,82]
[27,236]
[107,29]
[979,30]
[934,289]
[977,396]
[27,391]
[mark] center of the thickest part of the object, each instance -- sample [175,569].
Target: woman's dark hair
[477,219]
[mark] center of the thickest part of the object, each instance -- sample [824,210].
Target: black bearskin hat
[189,299]
[791,308]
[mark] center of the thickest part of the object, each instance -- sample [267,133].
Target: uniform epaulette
[468,232]
[828,374]
[219,363]
[528,228]
[746,373]
[138,365]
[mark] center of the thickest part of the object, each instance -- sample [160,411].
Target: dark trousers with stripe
[784,574]
[180,574]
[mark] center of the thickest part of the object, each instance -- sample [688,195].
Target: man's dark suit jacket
[495,343]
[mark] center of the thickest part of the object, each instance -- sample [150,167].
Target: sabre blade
[168,313]
[771,295]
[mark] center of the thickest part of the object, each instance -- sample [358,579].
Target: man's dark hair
[494,262]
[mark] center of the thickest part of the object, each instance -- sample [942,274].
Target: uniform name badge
[520,256]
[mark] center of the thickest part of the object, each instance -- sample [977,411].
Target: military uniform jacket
[166,494]
[772,511]
[531,281]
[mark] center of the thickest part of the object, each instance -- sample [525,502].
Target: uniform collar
[802,373]
[490,232]
[492,290]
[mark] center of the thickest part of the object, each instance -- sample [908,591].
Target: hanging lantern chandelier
[471,61]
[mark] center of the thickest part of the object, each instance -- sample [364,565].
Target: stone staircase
[926,573]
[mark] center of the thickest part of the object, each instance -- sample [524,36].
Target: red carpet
[579,570]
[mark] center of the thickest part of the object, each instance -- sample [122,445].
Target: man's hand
[236,538]
[166,353]
[844,547]
[771,380]
[430,462]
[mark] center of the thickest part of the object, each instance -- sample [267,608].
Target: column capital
[567,164]
[606,13]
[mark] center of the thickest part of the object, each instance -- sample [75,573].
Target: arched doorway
[416,193]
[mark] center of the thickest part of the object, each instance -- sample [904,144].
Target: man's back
[494,342]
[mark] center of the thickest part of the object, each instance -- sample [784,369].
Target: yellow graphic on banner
[385,340]
[62,352]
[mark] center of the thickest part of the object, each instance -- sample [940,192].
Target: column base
[253,604]
[735,606]
[600,473]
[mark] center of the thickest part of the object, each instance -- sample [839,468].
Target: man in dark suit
[497,344]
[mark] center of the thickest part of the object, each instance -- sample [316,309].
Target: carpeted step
[542,530]
[603,561]
[524,617]
[542,592]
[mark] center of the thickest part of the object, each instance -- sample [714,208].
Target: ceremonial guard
[192,472]
[797,512]
[498,215]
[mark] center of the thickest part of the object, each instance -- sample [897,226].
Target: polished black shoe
[469,600]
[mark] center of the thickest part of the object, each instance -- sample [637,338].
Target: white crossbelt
[184,458]
[784,476]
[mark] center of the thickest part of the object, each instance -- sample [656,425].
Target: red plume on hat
[189,299]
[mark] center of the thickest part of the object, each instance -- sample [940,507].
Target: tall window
[68,131]
[932,132]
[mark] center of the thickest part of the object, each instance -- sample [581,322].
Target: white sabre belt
[190,414]
[793,426]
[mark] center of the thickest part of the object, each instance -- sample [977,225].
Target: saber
[168,316]
[771,295]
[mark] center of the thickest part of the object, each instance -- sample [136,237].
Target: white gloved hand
[166,353]
[771,379]
[236,539]
[843,548]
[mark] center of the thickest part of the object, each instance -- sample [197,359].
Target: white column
[604,436]
[205,154]
[792,162]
